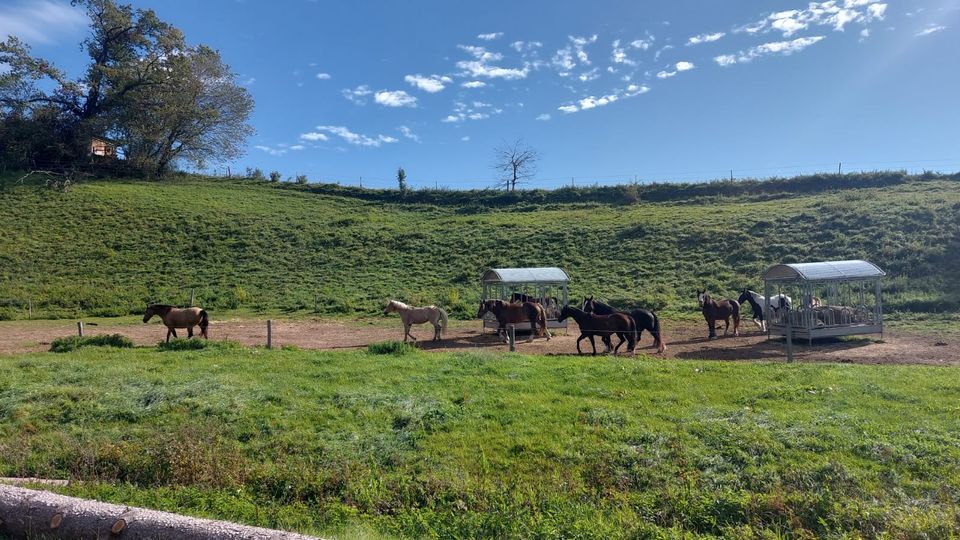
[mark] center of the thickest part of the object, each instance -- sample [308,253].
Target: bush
[256,173]
[396,348]
[274,176]
[72,343]
[301,179]
[188,344]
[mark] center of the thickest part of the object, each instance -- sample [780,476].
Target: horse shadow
[774,349]
[474,341]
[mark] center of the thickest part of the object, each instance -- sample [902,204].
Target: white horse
[418,315]
[761,304]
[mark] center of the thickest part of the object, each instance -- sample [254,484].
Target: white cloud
[642,44]
[272,151]
[476,110]
[297,147]
[663,49]
[521,46]
[579,46]
[783,48]
[677,68]
[830,13]
[684,66]
[41,21]
[431,84]
[567,58]
[930,29]
[705,38]
[619,55]
[465,138]
[543,117]
[313,136]
[491,36]
[480,67]
[395,98]
[474,84]
[356,138]
[408,133]
[591,102]
[568,108]
[323,76]
[248,81]
[587,76]
[357,95]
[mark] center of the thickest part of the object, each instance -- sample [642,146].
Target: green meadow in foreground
[411,444]
[107,247]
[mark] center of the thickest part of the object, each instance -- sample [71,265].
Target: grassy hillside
[108,247]
[494,446]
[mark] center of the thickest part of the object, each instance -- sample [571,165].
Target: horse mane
[400,304]
[161,307]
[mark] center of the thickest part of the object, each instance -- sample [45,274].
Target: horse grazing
[644,319]
[511,313]
[756,301]
[714,311]
[174,317]
[418,315]
[519,298]
[604,326]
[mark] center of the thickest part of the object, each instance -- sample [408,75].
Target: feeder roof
[824,271]
[550,274]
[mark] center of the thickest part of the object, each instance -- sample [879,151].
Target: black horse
[745,296]
[644,319]
[604,326]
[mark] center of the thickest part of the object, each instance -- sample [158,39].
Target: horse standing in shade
[714,311]
[757,301]
[418,315]
[644,319]
[174,317]
[604,326]
[511,313]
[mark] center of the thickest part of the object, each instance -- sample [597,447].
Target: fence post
[29,309]
[269,334]
[80,328]
[191,298]
[789,340]
[512,336]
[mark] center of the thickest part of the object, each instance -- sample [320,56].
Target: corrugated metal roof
[550,274]
[822,271]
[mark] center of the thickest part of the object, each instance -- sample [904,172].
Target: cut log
[28,513]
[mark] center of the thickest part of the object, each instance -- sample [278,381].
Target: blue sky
[605,91]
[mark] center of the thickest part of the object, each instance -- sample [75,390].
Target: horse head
[588,305]
[702,297]
[744,296]
[151,311]
[485,306]
[391,307]
[564,313]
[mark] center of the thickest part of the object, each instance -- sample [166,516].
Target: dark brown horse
[604,326]
[174,317]
[510,313]
[644,319]
[714,311]
[519,298]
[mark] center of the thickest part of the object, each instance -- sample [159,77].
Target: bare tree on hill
[516,163]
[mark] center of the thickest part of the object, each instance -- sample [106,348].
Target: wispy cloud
[465,138]
[41,21]
[395,98]
[705,38]
[323,76]
[592,102]
[431,84]
[474,84]
[491,36]
[476,110]
[481,67]
[408,133]
[357,95]
[313,136]
[575,52]
[930,29]
[783,48]
[276,152]
[677,68]
[356,138]
[832,13]
[543,117]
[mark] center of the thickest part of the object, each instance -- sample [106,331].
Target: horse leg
[578,343]
[608,343]
[533,329]
[189,332]
[736,325]
[726,322]
[406,332]
[593,344]
[711,322]
[622,339]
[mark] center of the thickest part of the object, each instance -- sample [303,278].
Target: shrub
[301,179]
[274,176]
[255,173]
[72,343]
[188,344]
[396,348]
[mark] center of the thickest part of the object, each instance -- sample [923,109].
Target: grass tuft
[396,348]
[189,344]
[72,343]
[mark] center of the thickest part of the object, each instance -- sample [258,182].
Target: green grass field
[105,248]
[357,444]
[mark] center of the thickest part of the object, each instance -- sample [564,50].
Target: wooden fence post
[269,334]
[80,328]
[29,309]
[789,340]
[191,298]
[512,336]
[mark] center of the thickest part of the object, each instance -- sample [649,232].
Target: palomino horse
[418,315]
[645,320]
[604,326]
[511,313]
[174,317]
[757,303]
[714,311]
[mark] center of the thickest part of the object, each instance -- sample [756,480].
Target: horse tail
[542,319]
[204,323]
[443,320]
[632,334]
[657,334]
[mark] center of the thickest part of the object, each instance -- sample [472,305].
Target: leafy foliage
[72,343]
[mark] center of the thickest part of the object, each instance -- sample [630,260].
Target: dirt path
[685,340]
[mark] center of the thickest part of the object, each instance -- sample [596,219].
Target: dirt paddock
[685,340]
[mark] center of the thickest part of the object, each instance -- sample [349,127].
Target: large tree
[162,100]
[516,163]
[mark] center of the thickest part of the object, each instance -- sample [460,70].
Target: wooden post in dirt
[29,309]
[191,298]
[269,334]
[789,340]
[80,328]
[512,336]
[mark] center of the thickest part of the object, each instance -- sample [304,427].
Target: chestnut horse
[174,317]
[604,326]
[644,319]
[714,311]
[510,313]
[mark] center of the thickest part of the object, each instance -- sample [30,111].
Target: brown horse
[510,313]
[714,311]
[604,326]
[174,317]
